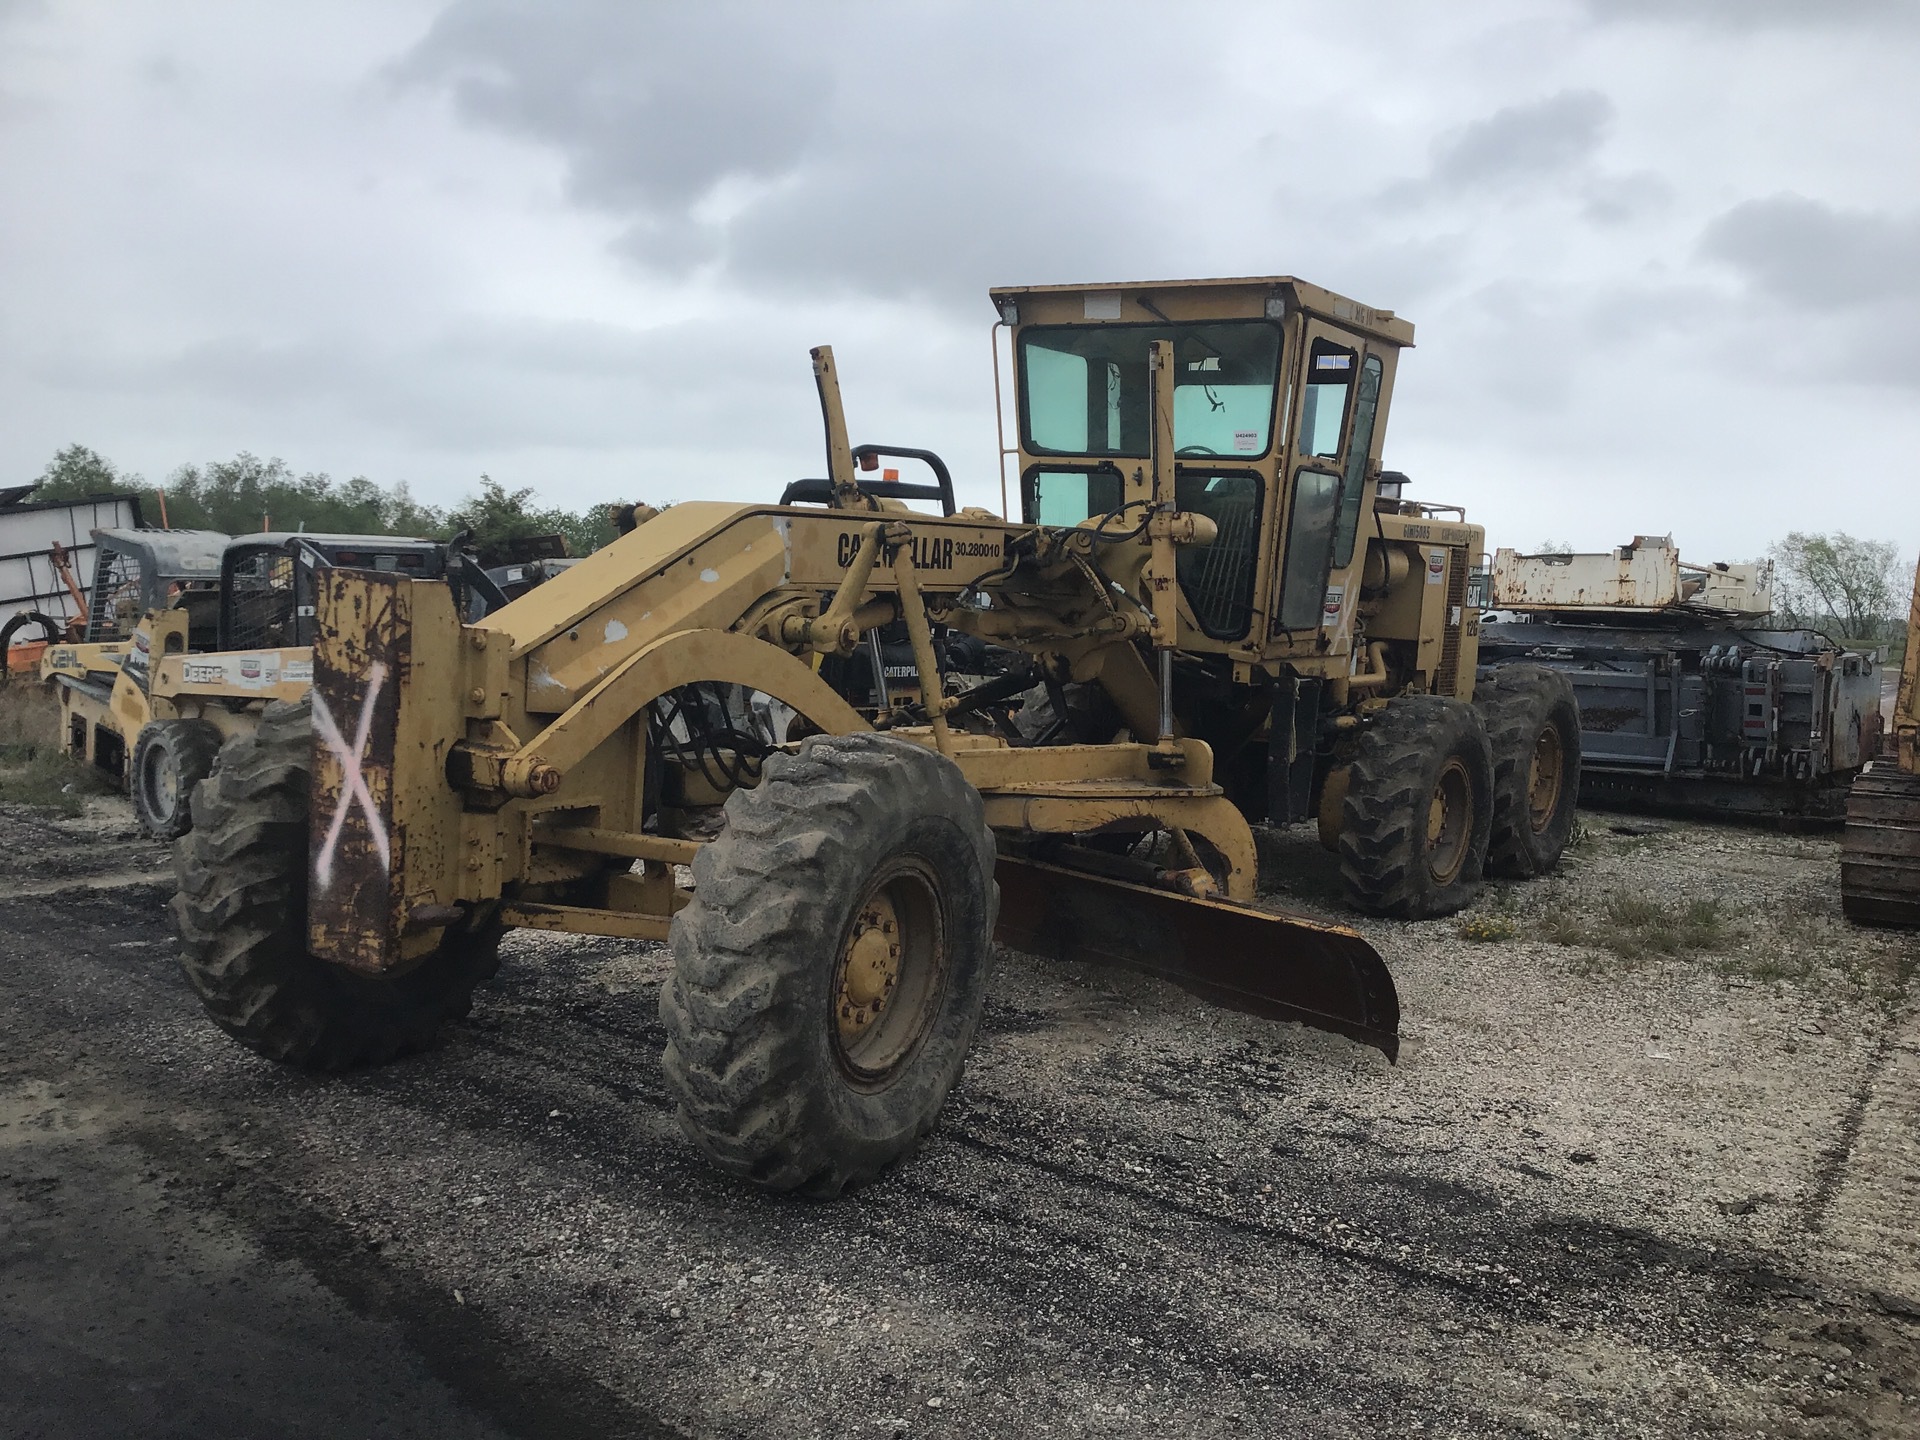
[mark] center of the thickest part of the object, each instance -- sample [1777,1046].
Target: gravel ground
[1600,1195]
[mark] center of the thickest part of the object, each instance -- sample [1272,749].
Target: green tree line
[247,493]
[1855,590]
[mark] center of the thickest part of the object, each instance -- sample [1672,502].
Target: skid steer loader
[1218,608]
[1880,849]
[190,634]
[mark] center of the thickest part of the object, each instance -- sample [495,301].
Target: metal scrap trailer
[1687,705]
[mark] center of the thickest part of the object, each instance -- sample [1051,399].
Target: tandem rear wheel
[1533,728]
[1417,815]
[830,970]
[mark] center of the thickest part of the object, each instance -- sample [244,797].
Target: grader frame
[551,695]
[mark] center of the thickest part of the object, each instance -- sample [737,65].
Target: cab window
[1353,485]
[1067,497]
[1309,533]
[1086,389]
[1330,370]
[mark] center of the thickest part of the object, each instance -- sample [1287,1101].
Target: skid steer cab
[190,633]
[830,748]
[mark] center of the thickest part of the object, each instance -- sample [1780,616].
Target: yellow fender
[682,658]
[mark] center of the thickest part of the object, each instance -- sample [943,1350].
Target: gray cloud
[1808,253]
[618,89]
[1758,14]
[1622,199]
[1525,144]
[891,152]
[1847,277]
[555,384]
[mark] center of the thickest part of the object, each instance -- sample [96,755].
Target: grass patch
[29,720]
[1561,926]
[1634,927]
[1775,964]
[1638,924]
[35,769]
[52,780]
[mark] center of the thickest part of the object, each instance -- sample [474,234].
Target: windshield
[1084,388]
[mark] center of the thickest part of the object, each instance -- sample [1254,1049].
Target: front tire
[170,757]
[241,913]
[1418,810]
[831,968]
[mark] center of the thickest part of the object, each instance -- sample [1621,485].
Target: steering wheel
[1196,450]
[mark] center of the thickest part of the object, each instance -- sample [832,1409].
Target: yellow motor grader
[1212,609]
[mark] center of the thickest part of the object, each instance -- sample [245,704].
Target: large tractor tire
[241,912]
[1533,725]
[830,970]
[170,757]
[1418,809]
[1880,850]
[50,633]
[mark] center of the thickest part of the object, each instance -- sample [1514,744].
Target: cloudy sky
[1663,255]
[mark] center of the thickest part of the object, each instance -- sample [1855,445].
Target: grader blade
[1283,967]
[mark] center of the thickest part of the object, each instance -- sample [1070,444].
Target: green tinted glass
[1085,388]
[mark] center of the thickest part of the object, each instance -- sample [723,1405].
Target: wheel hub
[869,968]
[1543,779]
[1449,822]
[161,781]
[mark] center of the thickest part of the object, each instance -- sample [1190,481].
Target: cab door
[1331,436]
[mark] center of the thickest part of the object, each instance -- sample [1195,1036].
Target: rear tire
[831,968]
[50,632]
[1418,810]
[241,913]
[170,757]
[1533,725]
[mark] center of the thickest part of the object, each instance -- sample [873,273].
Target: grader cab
[1207,612]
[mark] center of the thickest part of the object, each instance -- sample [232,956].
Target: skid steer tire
[796,1062]
[170,757]
[1418,810]
[241,914]
[1533,726]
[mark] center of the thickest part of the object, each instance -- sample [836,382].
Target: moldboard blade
[1284,967]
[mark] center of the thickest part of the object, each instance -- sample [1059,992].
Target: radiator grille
[1446,678]
[1218,578]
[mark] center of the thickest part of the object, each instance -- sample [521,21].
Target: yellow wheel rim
[1545,773]
[1449,822]
[889,972]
